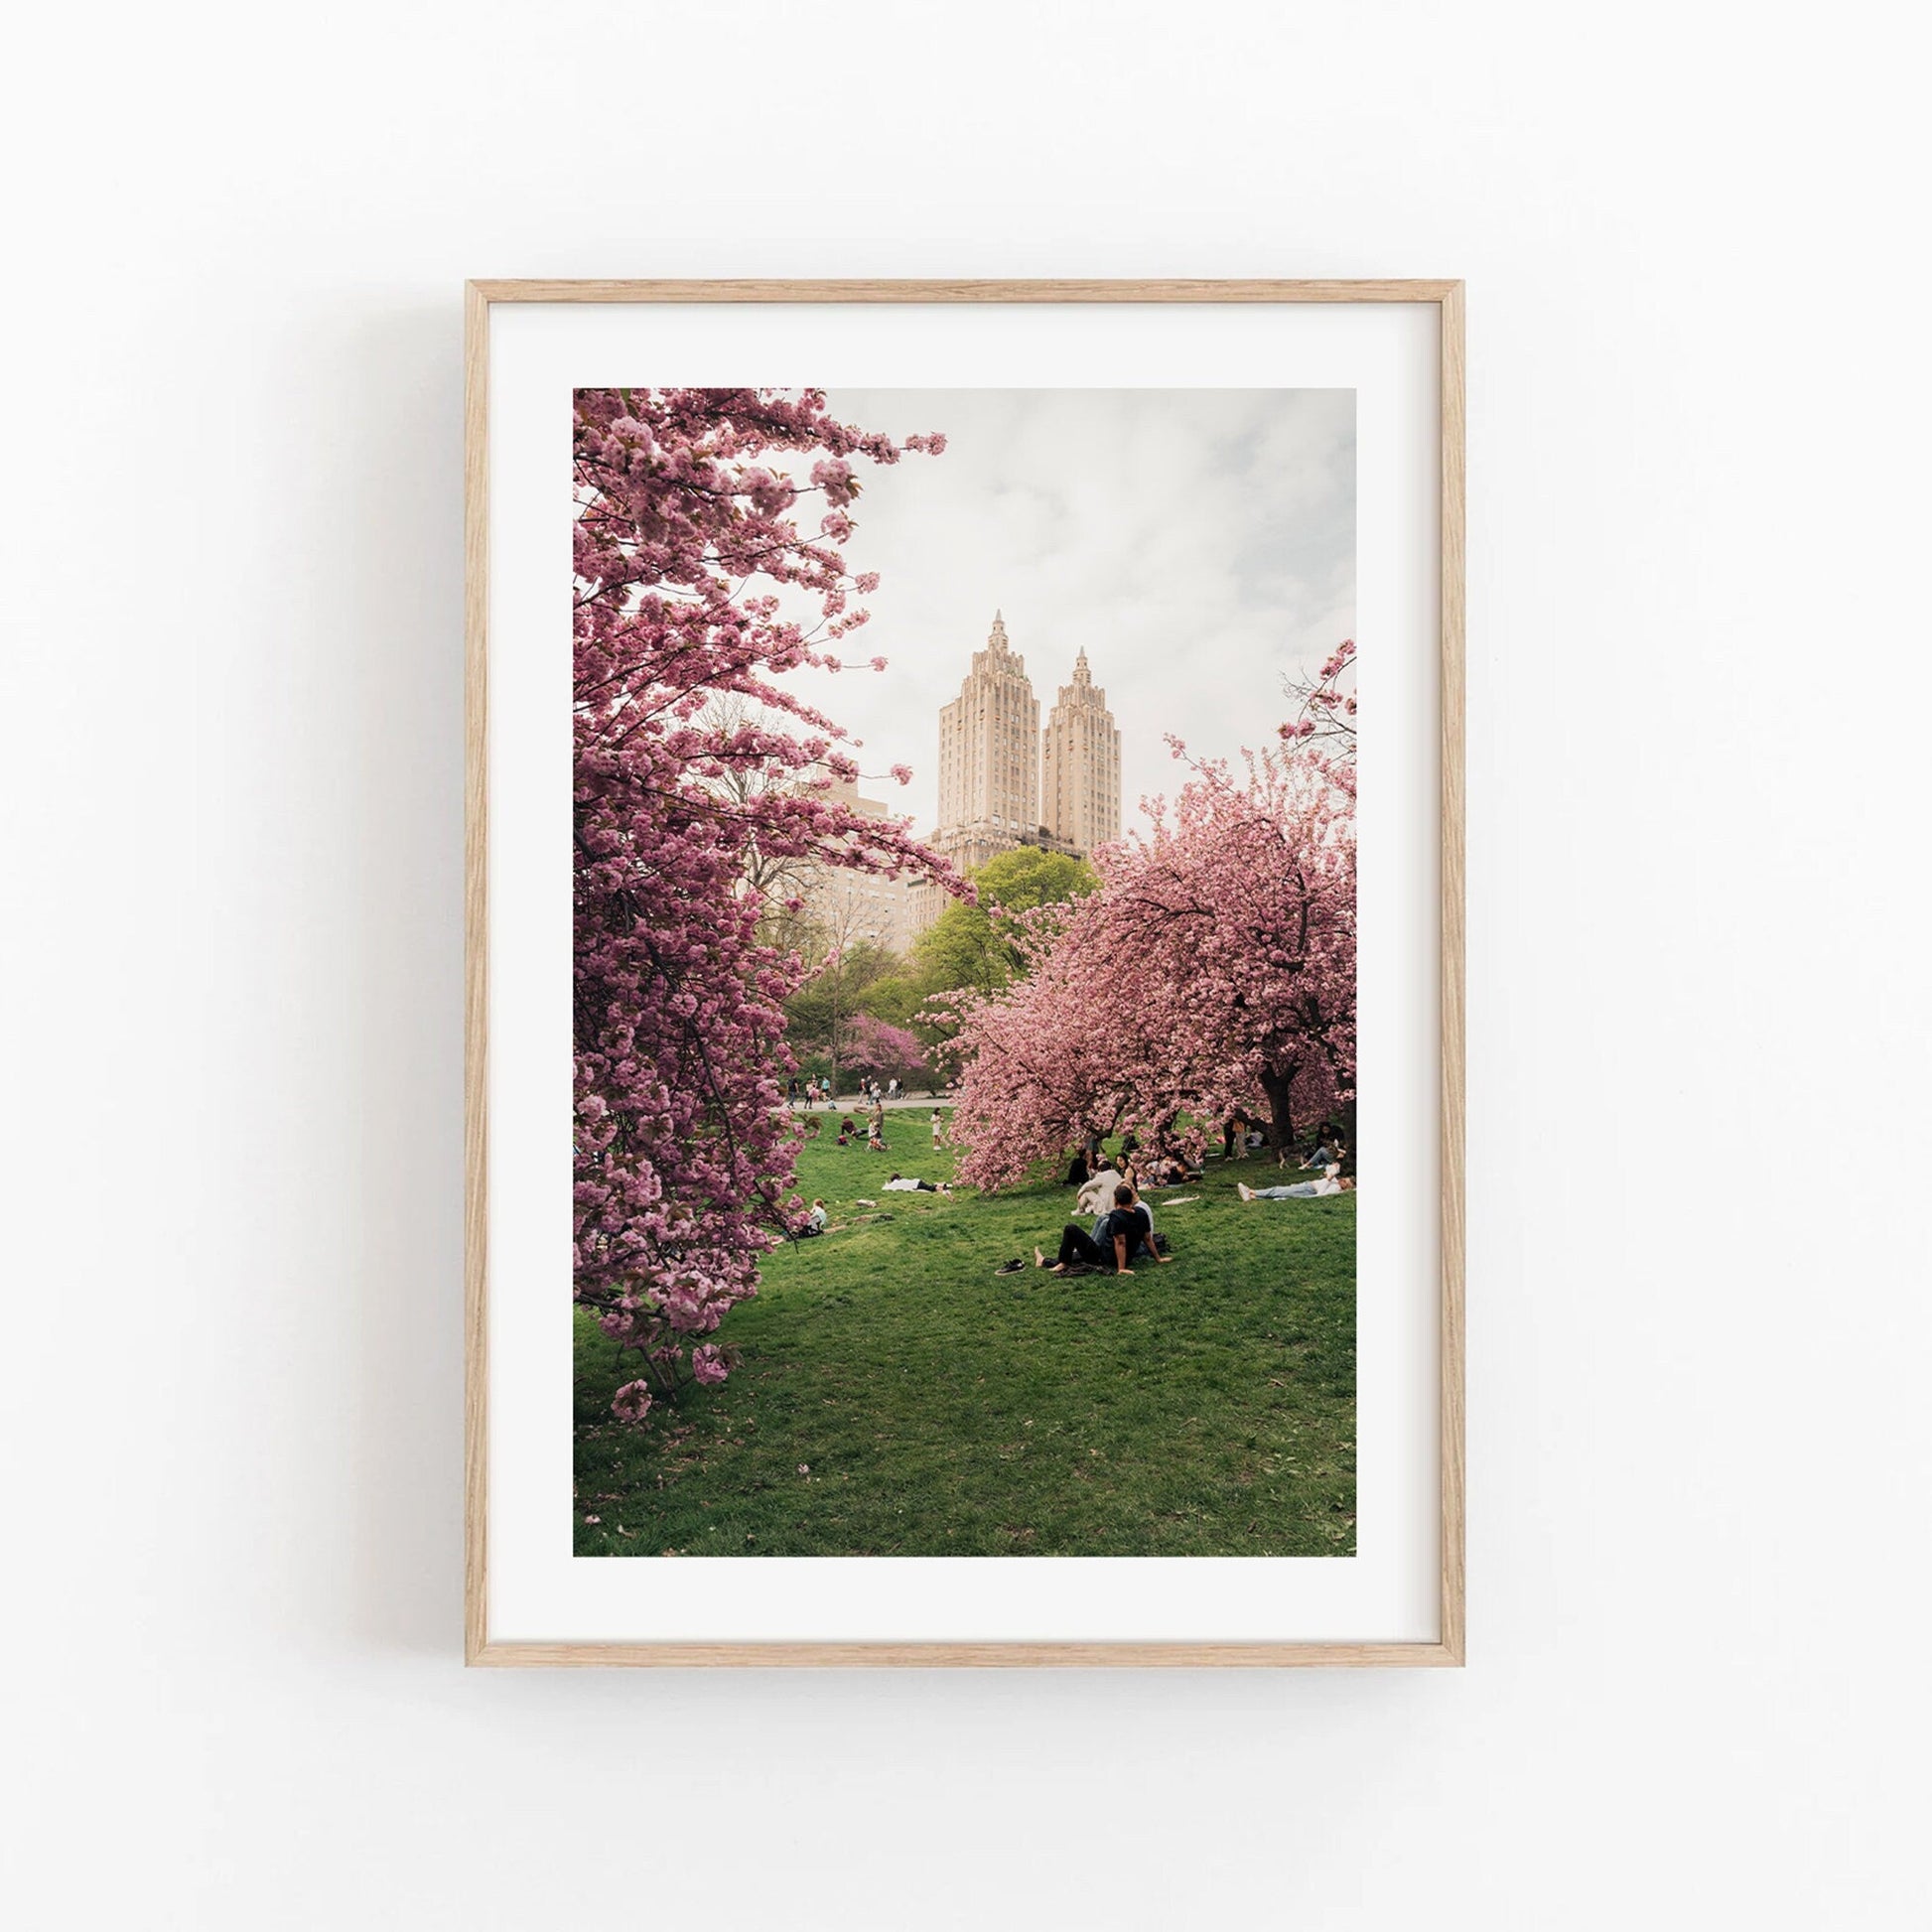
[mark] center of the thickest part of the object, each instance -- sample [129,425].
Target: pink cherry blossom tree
[1214,969]
[697,587]
[876,1048]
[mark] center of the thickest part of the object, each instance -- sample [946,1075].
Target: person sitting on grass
[1169,1166]
[1328,1152]
[874,1140]
[1114,1202]
[1098,1192]
[1078,1174]
[913,1186]
[815,1221]
[1335,1181]
[1125,1236]
[845,1132]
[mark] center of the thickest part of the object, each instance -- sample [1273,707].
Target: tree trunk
[1280,1118]
[832,1033]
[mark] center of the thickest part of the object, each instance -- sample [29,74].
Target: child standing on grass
[937,1126]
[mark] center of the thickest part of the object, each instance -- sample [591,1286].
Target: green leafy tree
[896,999]
[970,945]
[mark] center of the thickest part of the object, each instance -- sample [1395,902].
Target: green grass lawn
[1206,1408]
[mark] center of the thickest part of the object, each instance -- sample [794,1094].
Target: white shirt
[902,1188]
[1099,1191]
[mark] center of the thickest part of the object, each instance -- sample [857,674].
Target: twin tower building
[1003,782]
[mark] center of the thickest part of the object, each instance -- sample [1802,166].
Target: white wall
[1699,1436]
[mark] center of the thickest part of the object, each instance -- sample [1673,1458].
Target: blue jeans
[1301,1190]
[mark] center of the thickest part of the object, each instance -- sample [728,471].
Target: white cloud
[1199,544]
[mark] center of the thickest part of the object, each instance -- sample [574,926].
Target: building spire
[997,638]
[1081,675]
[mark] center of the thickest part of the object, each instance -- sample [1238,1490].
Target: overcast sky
[1199,543]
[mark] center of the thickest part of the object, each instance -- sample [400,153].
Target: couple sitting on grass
[1118,1238]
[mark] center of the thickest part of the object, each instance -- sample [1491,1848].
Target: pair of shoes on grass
[1013,1267]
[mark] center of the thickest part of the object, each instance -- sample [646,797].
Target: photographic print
[964,973]
[963,1068]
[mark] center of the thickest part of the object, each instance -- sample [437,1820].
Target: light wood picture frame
[482,299]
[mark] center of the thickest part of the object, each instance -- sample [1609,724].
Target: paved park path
[847,1103]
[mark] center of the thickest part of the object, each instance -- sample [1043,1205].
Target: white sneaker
[1246,1192]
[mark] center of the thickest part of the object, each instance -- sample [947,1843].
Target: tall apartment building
[1080,766]
[989,748]
[989,763]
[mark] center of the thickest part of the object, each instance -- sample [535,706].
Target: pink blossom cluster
[1213,970]
[683,542]
[1328,704]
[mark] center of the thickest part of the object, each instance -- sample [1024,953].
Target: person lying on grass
[898,1185]
[1127,1235]
[1335,1181]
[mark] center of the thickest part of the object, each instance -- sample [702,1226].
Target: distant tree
[770,875]
[850,961]
[977,946]
[896,998]
[879,1050]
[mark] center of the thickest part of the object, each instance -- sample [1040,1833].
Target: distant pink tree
[1213,970]
[690,563]
[874,1046]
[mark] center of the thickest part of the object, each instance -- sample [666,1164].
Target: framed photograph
[964,1097]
